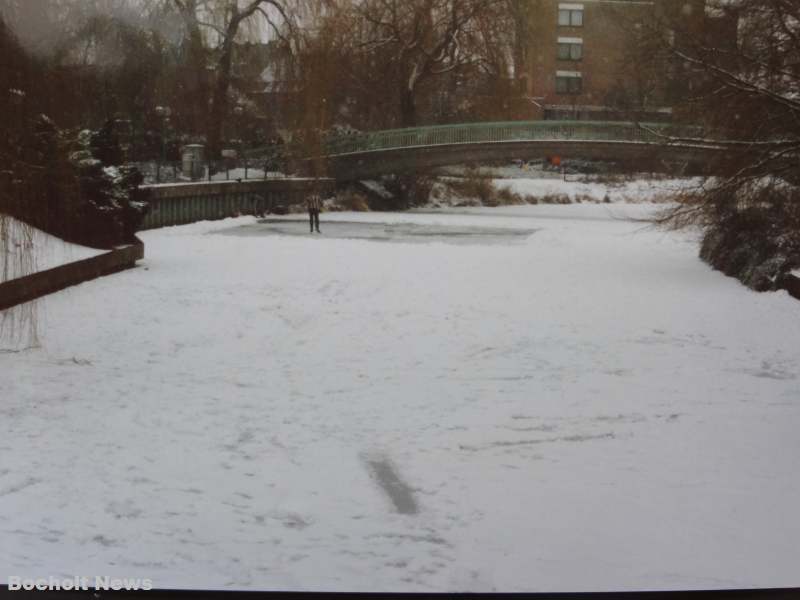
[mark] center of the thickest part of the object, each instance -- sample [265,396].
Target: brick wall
[603,33]
[606,34]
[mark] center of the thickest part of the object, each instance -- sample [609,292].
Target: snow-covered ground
[577,189]
[25,250]
[588,407]
[549,186]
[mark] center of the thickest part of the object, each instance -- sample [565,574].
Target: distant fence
[27,288]
[181,203]
[211,171]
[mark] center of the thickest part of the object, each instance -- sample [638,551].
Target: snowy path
[589,408]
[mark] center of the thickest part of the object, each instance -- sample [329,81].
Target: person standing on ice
[314,204]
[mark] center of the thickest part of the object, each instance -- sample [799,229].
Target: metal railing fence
[243,169]
[589,131]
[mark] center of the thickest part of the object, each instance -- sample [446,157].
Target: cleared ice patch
[385,232]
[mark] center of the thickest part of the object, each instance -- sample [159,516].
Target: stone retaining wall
[181,203]
[30,287]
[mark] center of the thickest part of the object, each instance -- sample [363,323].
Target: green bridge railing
[515,131]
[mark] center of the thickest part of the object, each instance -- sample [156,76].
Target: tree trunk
[197,84]
[408,108]
[219,103]
[195,96]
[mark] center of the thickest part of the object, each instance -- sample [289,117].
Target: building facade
[582,62]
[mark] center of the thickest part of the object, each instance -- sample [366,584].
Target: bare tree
[418,41]
[223,21]
[743,68]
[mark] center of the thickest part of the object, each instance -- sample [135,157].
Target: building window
[570,15]
[570,48]
[569,82]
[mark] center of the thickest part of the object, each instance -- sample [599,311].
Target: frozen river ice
[537,398]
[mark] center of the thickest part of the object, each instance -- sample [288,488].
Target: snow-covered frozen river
[577,403]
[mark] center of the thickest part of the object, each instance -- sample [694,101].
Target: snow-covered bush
[110,189]
[68,185]
[507,197]
[476,187]
[351,199]
[755,238]
[402,191]
[745,94]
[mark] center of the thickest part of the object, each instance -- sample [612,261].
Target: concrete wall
[30,287]
[181,203]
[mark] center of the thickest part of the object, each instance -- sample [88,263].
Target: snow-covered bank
[635,190]
[592,408]
[549,188]
[25,250]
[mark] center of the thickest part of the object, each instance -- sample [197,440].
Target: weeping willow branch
[18,324]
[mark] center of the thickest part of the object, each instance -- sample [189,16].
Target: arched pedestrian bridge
[370,154]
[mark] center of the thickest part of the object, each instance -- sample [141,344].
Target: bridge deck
[518,131]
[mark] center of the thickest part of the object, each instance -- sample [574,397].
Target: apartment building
[581,61]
